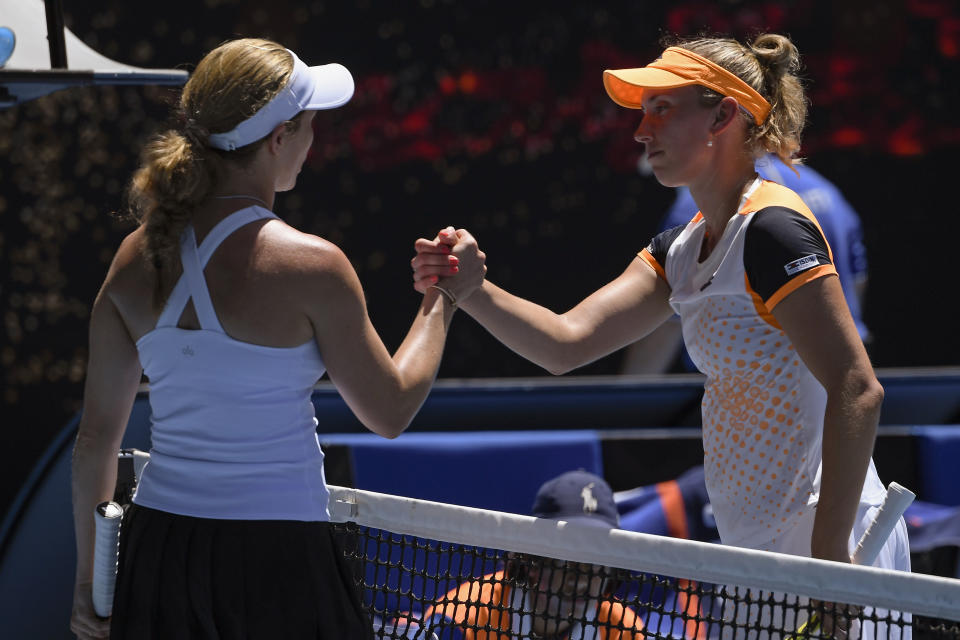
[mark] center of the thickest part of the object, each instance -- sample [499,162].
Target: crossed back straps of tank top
[192,285]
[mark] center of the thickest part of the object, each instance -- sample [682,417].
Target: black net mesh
[418,588]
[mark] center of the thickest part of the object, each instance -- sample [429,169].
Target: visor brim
[331,86]
[626,86]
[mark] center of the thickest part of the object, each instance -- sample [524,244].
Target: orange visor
[678,67]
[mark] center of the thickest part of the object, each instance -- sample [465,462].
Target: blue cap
[577,496]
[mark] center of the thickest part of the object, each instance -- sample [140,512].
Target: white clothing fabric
[762,408]
[233,432]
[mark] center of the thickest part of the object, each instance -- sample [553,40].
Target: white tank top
[234,435]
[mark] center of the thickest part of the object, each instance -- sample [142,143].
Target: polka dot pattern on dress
[755,440]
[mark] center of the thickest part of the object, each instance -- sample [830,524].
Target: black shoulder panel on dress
[661,242]
[780,244]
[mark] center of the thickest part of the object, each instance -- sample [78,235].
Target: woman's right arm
[383,391]
[112,378]
[612,317]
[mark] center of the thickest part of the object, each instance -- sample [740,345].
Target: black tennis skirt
[185,577]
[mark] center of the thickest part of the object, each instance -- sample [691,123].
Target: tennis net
[431,570]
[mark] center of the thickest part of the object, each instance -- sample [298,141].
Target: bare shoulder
[129,267]
[315,276]
[128,287]
[302,279]
[309,258]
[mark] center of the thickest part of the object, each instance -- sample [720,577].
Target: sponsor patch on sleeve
[800,264]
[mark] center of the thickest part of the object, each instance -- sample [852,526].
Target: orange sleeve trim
[759,306]
[672,500]
[799,281]
[647,257]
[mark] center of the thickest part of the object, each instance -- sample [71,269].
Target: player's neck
[718,198]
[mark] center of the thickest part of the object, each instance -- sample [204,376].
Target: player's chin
[666,178]
[287,183]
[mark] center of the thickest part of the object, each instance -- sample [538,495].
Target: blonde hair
[178,168]
[770,65]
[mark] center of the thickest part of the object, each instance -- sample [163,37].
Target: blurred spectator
[548,592]
[679,508]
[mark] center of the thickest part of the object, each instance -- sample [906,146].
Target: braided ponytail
[164,192]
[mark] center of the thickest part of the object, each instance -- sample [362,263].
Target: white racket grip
[105,551]
[896,502]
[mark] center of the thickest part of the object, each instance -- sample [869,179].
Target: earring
[710,142]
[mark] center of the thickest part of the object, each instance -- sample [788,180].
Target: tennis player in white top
[233,316]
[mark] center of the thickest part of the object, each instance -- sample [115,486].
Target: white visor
[309,89]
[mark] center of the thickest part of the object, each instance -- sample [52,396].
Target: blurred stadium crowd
[480,114]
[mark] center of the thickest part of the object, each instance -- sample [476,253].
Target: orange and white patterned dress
[762,408]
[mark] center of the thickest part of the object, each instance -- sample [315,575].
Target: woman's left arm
[818,322]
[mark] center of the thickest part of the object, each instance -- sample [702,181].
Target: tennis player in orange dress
[791,401]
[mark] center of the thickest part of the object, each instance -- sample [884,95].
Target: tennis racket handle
[897,500]
[105,551]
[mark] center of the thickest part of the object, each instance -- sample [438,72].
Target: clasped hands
[451,260]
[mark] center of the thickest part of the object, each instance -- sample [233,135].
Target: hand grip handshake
[452,262]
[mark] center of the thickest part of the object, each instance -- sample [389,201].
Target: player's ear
[724,114]
[277,137]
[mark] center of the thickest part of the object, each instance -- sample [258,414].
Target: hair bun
[776,54]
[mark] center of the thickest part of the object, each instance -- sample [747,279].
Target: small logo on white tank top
[187,351]
[800,264]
